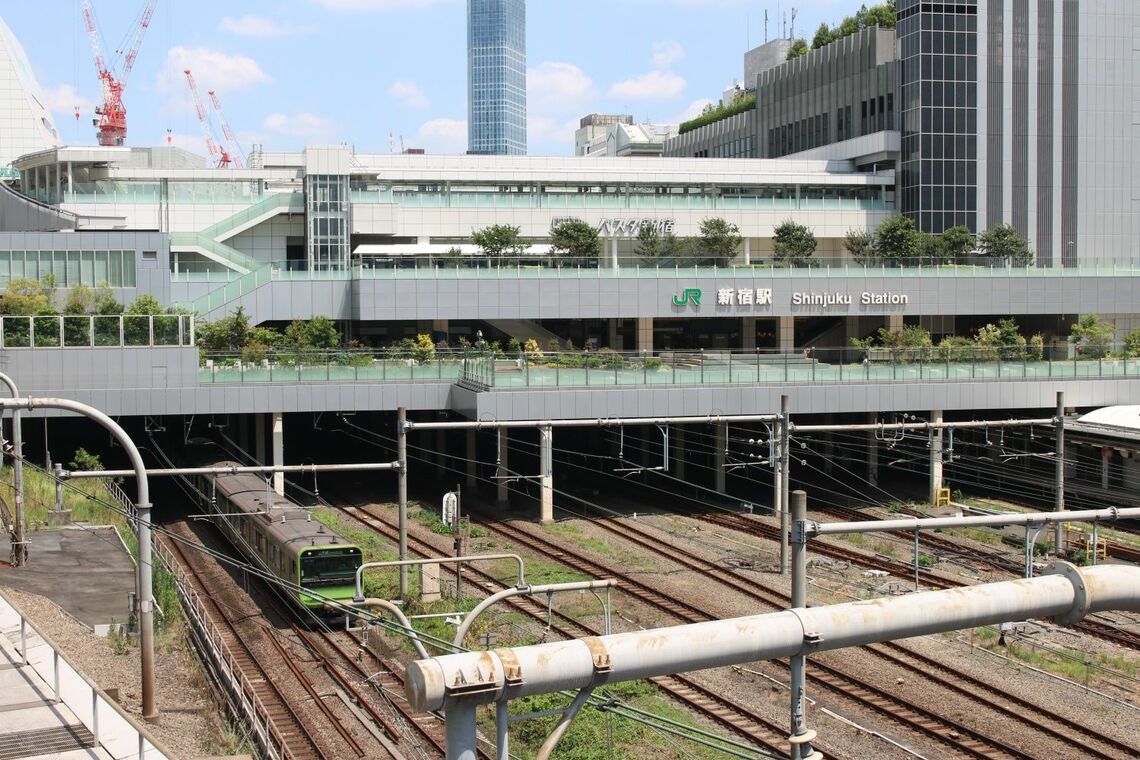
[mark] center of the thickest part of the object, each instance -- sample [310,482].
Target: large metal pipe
[1111,514]
[459,681]
[20,550]
[142,507]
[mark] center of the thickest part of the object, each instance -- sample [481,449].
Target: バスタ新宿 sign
[618,227]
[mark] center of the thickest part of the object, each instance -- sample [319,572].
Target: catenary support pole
[800,735]
[142,506]
[1059,487]
[503,486]
[20,550]
[402,492]
[279,451]
[719,455]
[785,477]
[935,456]
[546,471]
[873,454]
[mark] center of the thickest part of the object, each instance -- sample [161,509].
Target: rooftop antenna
[765,26]
[793,24]
[784,26]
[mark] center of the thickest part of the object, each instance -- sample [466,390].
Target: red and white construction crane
[232,144]
[111,113]
[217,154]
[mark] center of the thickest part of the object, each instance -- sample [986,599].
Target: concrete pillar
[935,457]
[677,451]
[615,337]
[472,451]
[748,333]
[719,457]
[645,335]
[786,330]
[259,437]
[1105,457]
[895,322]
[503,491]
[429,583]
[747,251]
[546,473]
[439,325]
[613,253]
[279,451]
[872,453]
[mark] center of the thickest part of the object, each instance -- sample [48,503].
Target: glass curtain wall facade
[496,77]
[328,208]
[938,92]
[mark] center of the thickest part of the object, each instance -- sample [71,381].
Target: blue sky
[292,72]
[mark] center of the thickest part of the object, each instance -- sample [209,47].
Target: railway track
[742,721]
[949,731]
[284,722]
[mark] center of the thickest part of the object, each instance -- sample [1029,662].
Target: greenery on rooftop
[881,15]
[714,113]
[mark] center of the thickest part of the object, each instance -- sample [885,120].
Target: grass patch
[591,733]
[1074,664]
[566,528]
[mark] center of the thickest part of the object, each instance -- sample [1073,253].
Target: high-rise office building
[496,77]
[25,122]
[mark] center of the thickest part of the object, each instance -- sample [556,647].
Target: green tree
[822,37]
[1132,344]
[423,349]
[720,240]
[798,48]
[1003,242]
[103,301]
[230,333]
[318,332]
[575,239]
[26,297]
[649,243]
[84,460]
[860,244]
[1093,336]
[896,239]
[452,256]
[1003,340]
[958,242]
[931,247]
[793,243]
[881,15]
[499,240]
[79,299]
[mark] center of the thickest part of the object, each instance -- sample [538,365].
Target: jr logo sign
[690,294]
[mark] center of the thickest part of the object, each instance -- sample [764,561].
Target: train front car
[282,538]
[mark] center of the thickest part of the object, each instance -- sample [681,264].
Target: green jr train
[281,538]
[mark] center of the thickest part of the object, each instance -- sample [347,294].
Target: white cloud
[304,125]
[655,85]
[375,5]
[213,70]
[251,25]
[547,136]
[64,99]
[693,110]
[409,94]
[446,136]
[557,86]
[666,53]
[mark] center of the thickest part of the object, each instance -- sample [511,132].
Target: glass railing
[331,367]
[482,370]
[87,331]
[243,285]
[221,250]
[459,199]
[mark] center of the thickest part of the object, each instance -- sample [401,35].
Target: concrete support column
[1105,457]
[677,448]
[503,491]
[546,472]
[895,322]
[935,457]
[719,456]
[615,337]
[439,325]
[472,458]
[748,333]
[872,453]
[747,251]
[259,437]
[645,335]
[786,330]
[279,451]
[613,244]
